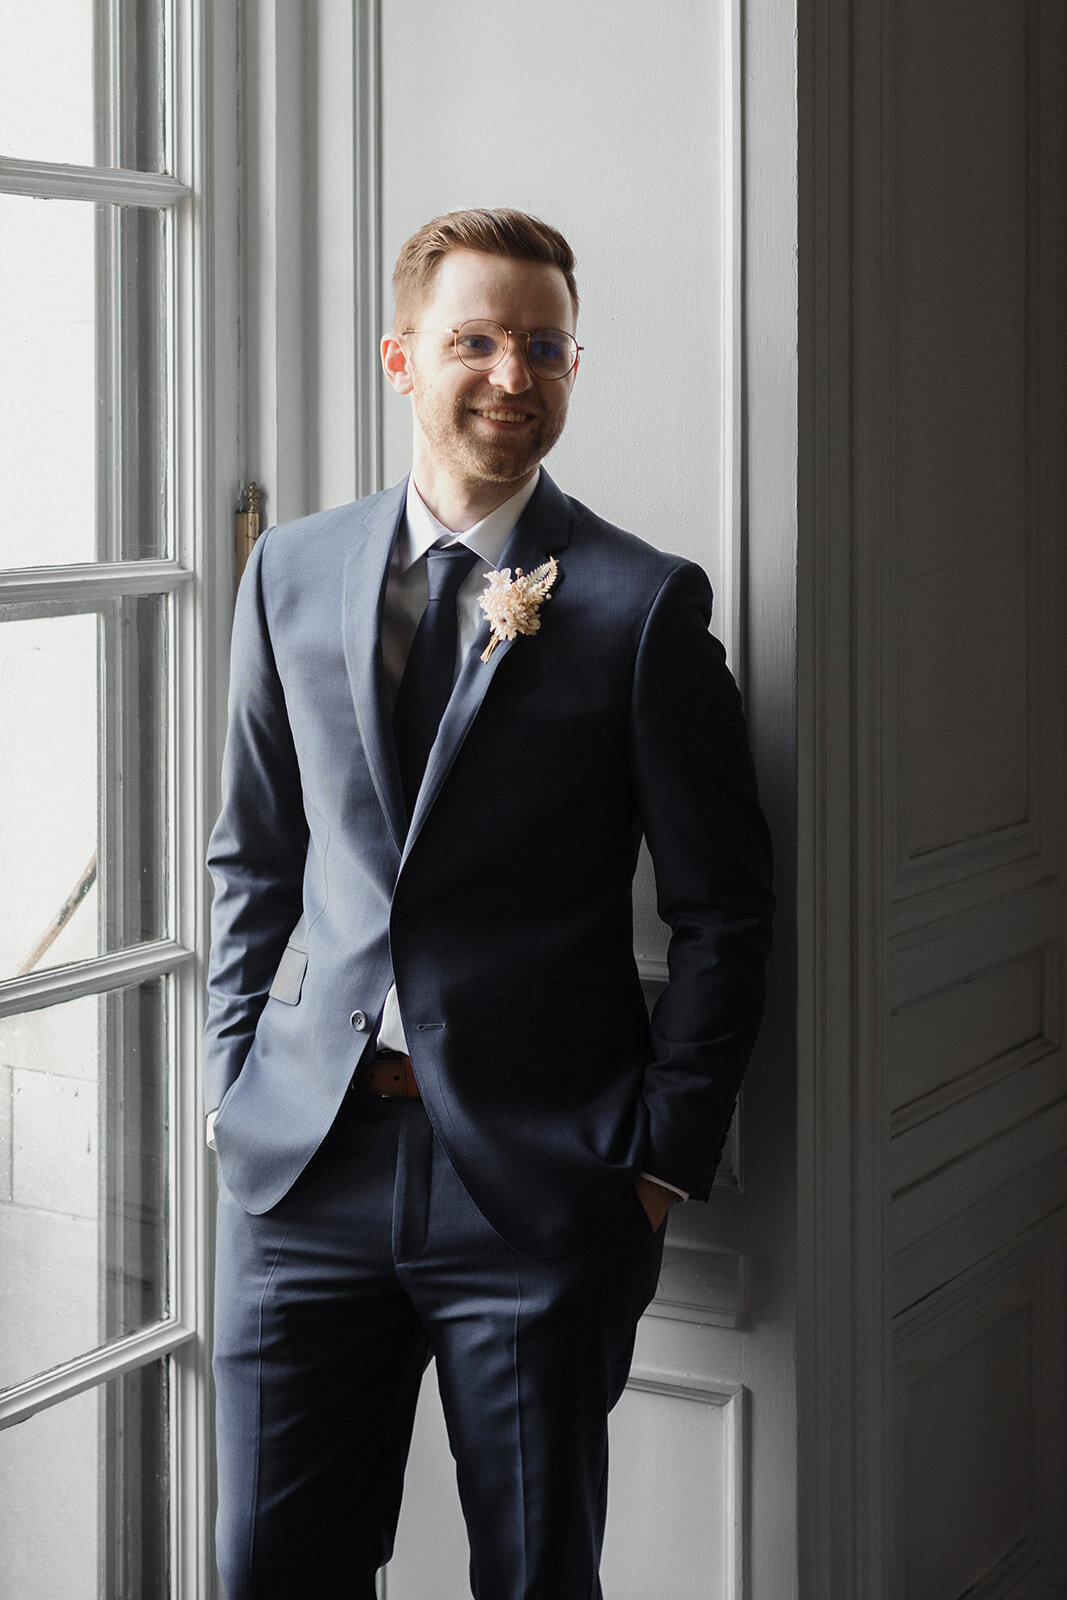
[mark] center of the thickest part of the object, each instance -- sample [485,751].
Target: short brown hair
[502,232]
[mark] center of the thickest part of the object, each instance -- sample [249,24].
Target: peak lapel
[366,570]
[542,530]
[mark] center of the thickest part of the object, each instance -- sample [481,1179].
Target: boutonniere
[512,604]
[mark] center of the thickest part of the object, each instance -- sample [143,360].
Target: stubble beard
[454,441]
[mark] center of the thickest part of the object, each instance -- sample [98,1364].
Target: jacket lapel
[542,530]
[366,570]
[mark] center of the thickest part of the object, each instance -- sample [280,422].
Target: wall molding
[1021,1284]
[369,310]
[843,1354]
[733,1401]
[986,1126]
[703,1284]
[979,1231]
[731,600]
[1033,1019]
[949,949]
[1016,849]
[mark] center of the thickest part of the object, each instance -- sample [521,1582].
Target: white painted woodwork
[701,1524]
[979,1419]
[58,1453]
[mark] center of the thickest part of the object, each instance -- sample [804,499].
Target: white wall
[604,120]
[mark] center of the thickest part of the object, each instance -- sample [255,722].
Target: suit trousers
[330,1306]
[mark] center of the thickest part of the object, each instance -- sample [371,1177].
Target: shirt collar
[487,538]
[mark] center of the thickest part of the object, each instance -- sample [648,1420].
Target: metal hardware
[247,526]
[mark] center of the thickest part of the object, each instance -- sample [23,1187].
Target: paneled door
[934,1119]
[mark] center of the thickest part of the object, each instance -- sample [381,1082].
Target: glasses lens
[480,345]
[551,353]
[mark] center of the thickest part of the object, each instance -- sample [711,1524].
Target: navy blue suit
[503,912]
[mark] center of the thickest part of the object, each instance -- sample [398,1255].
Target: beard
[459,440]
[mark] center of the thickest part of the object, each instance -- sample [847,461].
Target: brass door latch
[247,525]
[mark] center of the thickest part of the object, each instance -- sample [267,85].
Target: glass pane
[83,802]
[83,412]
[84,1495]
[65,97]
[83,1180]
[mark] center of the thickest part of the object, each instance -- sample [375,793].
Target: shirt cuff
[682,1194]
[210,1130]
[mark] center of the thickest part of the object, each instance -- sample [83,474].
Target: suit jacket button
[358,1019]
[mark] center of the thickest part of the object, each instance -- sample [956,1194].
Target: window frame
[199,191]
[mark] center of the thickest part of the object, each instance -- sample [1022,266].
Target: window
[101,823]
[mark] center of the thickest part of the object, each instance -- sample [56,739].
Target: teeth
[504,416]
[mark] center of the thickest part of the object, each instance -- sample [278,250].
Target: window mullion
[56,985]
[60,1383]
[109,320]
[53,180]
[87,586]
[105,108]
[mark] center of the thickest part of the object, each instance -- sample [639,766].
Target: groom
[446,1127]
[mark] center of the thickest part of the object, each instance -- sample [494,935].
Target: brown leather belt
[388,1076]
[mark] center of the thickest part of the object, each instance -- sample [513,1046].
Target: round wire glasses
[481,346]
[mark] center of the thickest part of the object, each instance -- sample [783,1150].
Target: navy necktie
[427,681]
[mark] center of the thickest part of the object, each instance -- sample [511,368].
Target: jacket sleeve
[711,852]
[259,844]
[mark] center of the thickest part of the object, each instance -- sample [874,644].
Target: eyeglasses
[481,346]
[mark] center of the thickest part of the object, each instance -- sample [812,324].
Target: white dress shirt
[406,584]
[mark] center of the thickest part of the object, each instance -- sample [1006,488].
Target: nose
[511,372]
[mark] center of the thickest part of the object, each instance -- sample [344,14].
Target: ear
[395,364]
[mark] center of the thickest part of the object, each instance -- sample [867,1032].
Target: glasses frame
[525,334]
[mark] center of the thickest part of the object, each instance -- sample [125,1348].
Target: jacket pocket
[289,978]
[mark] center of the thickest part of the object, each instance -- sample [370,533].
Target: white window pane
[83,412]
[83,818]
[84,1495]
[64,99]
[46,80]
[83,1186]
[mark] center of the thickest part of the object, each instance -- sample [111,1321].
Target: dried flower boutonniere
[512,604]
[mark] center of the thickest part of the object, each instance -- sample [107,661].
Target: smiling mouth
[503,416]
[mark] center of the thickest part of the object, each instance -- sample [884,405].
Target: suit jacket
[504,910]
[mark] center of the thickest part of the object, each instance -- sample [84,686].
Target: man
[446,1128]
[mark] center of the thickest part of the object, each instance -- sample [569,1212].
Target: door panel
[700,1524]
[933,1367]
